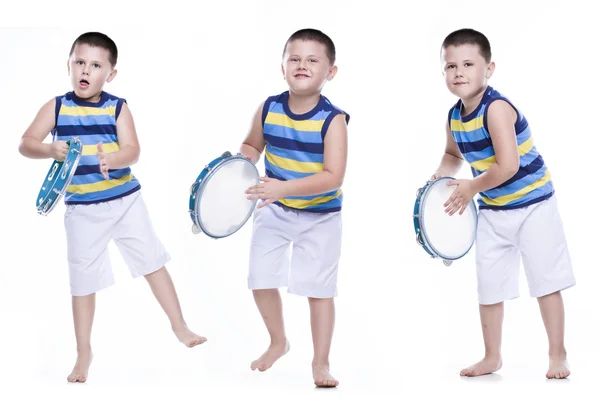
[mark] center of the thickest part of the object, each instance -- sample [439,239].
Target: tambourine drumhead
[222,204]
[451,237]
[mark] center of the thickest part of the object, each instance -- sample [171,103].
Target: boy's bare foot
[486,366]
[189,338]
[273,353]
[558,368]
[323,378]
[82,365]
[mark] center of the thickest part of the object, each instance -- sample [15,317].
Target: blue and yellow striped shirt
[532,182]
[93,123]
[294,148]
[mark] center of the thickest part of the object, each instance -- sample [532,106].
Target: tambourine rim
[62,191]
[421,199]
[202,185]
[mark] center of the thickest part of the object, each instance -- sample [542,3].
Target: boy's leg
[314,272]
[164,290]
[269,304]
[553,314]
[268,271]
[498,264]
[548,268]
[145,255]
[88,234]
[491,324]
[322,322]
[83,318]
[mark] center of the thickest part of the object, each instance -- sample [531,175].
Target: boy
[518,214]
[103,200]
[305,160]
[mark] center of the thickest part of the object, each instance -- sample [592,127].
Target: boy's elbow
[338,181]
[135,155]
[332,179]
[22,147]
[512,169]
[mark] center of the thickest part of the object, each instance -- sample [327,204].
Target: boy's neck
[300,104]
[471,104]
[93,99]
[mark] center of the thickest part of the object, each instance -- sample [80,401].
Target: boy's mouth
[83,83]
[301,76]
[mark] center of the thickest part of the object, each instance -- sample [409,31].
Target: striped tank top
[532,182]
[92,123]
[294,148]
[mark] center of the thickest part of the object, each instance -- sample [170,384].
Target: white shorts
[312,268]
[90,228]
[535,234]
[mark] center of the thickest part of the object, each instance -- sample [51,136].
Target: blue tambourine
[439,234]
[218,205]
[58,178]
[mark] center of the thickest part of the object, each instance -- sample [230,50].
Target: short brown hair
[97,39]
[469,36]
[317,36]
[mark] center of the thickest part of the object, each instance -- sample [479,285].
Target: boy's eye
[96,65]
[448,67]
[469,64]
[313,60]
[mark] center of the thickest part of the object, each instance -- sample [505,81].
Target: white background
[193,77]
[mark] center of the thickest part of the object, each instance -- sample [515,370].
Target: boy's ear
[111,76]
[490,70]
[332,73]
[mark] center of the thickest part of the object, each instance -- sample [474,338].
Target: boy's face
[465,70]
[89,68]
[306,67]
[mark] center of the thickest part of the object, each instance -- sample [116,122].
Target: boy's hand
[270,190]
[103,161]
[59,150]
[439,174]
[460,197]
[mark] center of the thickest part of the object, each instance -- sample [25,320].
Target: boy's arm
[452,159]
[501,118]
[330,179]
[335,154]
[32,145]
[254,143]
[129,147]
